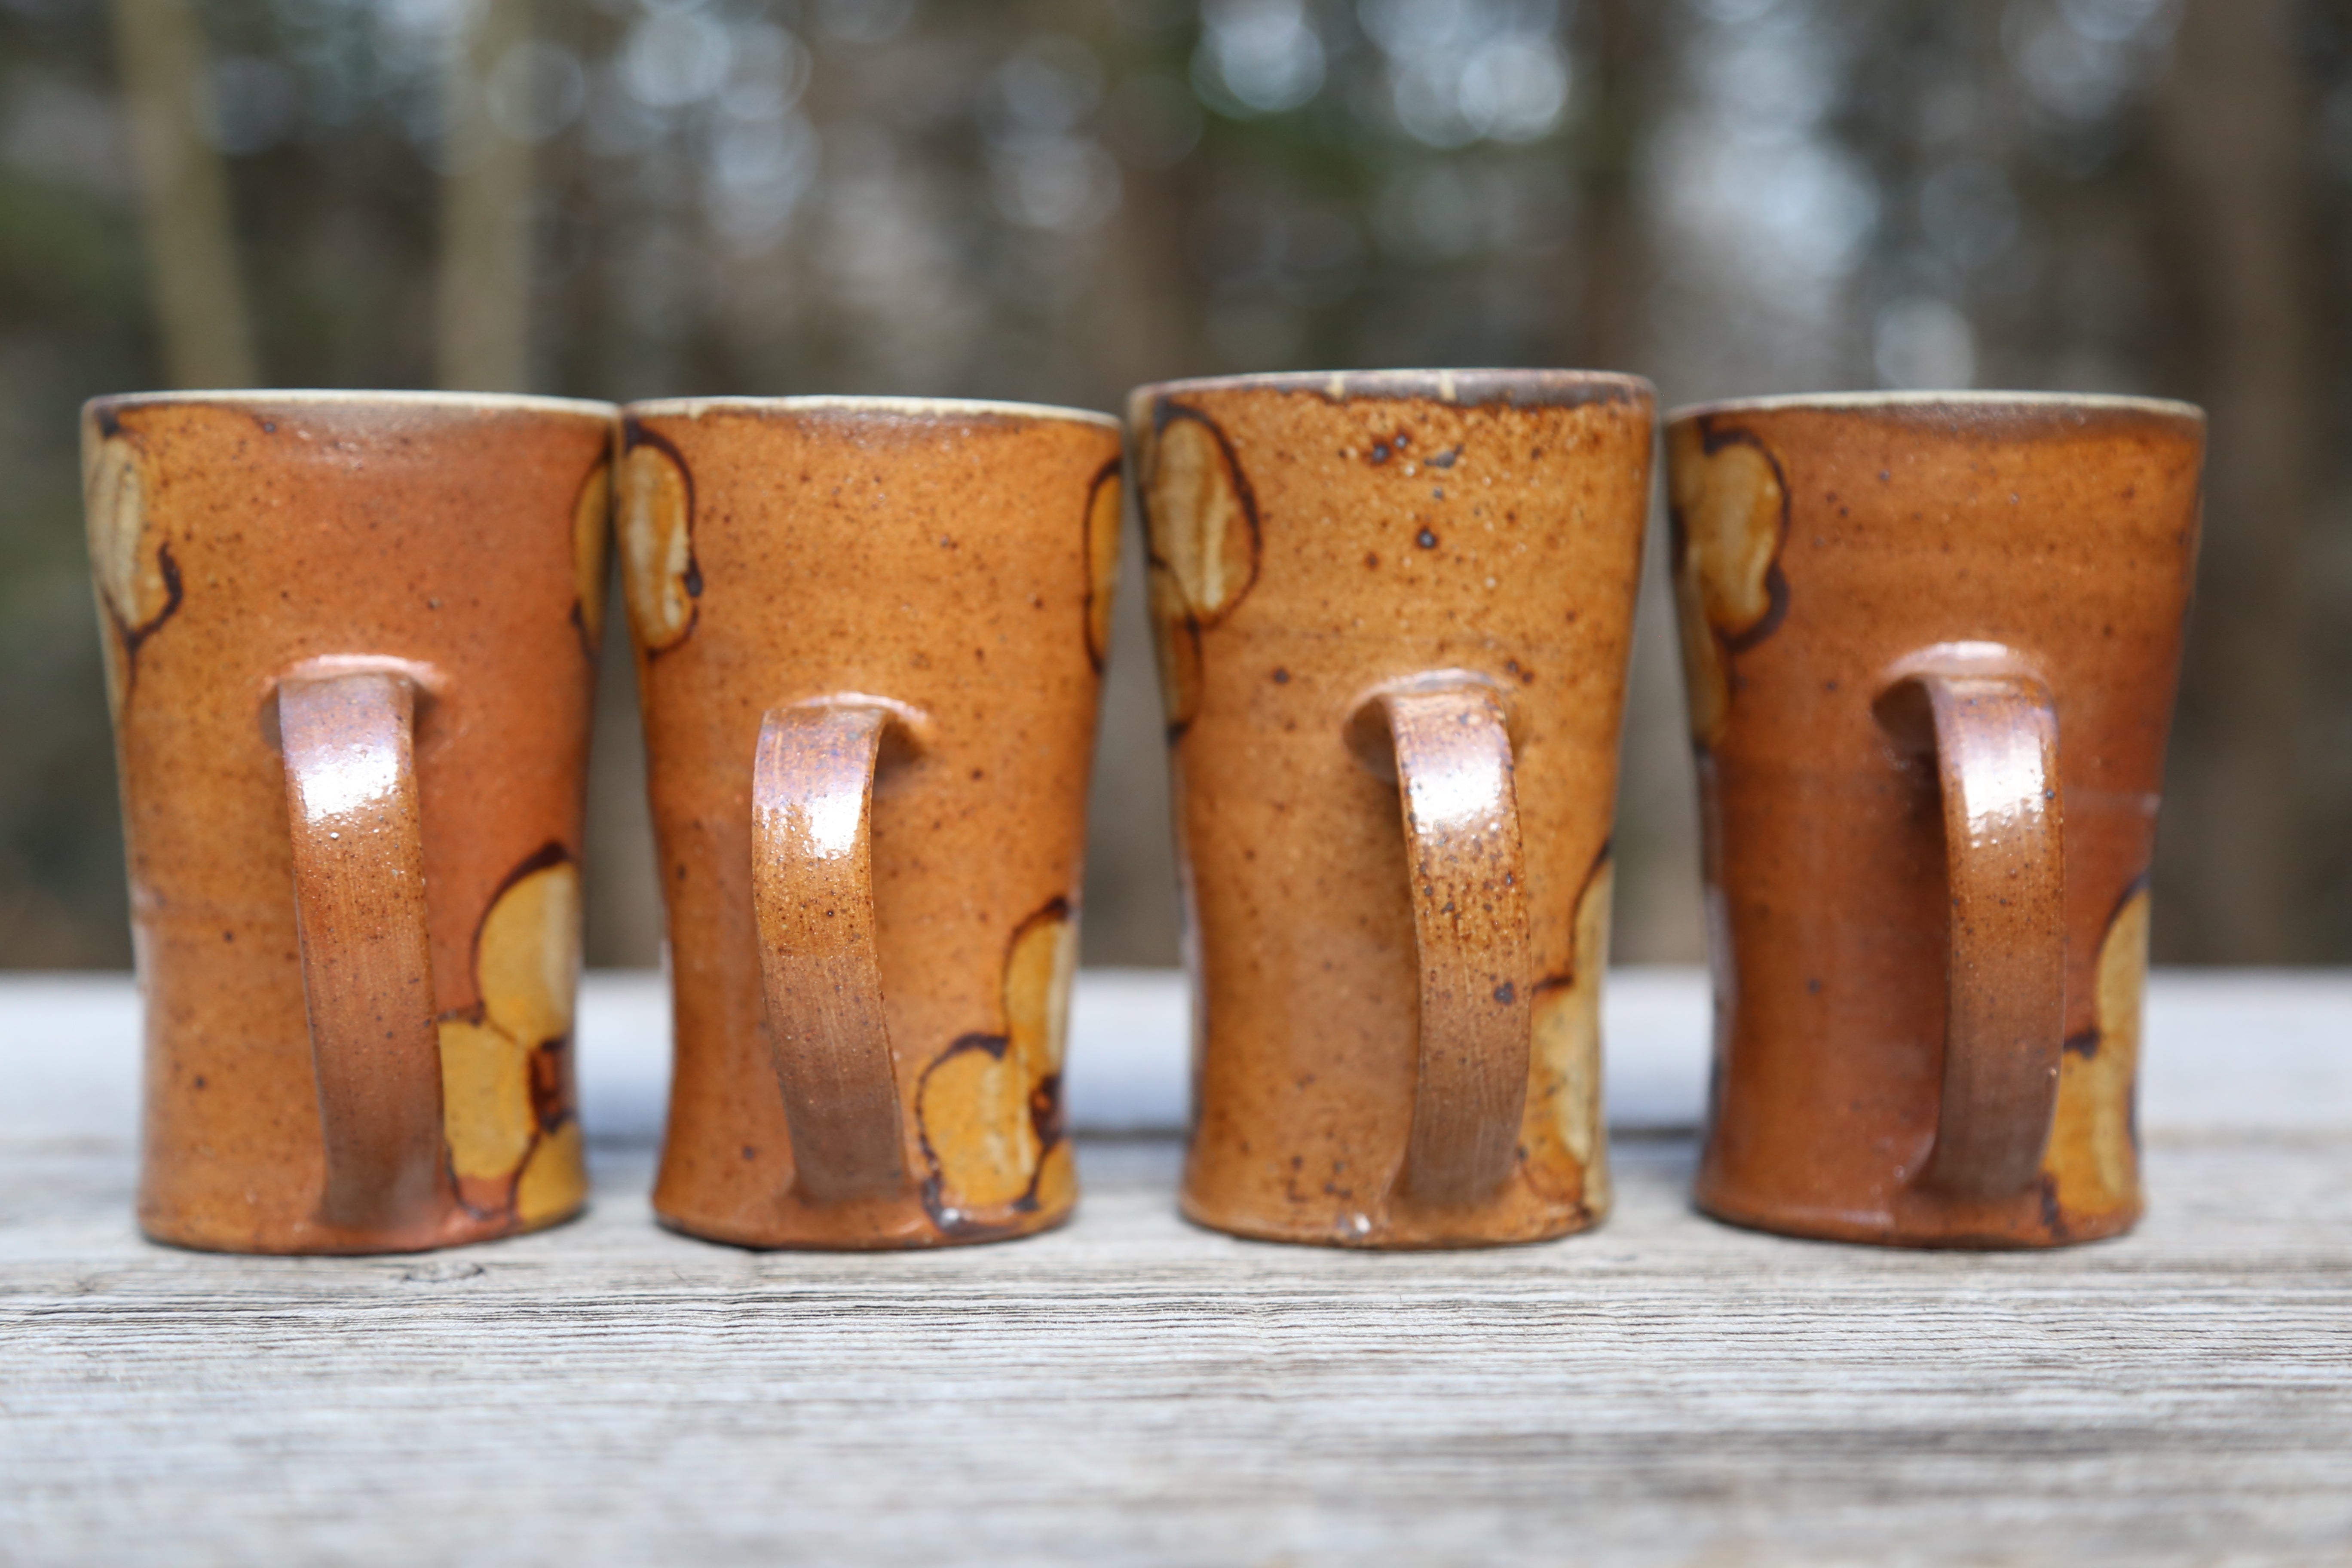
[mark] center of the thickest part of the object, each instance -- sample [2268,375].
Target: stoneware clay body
[349,646]
[870,635]
[1393,611]
[1931,645]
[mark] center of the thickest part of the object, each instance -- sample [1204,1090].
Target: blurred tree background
[1054,199]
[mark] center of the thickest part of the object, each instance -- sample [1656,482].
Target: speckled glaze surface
[1357,579]
[1931,645]
[350,649]
[870,637]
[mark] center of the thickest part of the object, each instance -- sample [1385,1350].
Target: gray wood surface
[1132,1390]
[2246,1050]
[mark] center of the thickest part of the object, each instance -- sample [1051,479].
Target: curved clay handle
[367,974]
[1996,740]
[812,886]
[1470,933]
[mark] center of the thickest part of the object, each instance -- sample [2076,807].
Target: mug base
[916,1231]
[2032,1224]
[310,1238]
[1397,1233]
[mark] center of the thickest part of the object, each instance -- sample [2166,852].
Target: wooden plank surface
[1133,1390]
[2243,1050]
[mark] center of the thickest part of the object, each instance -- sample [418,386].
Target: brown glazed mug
[870,635]
[350,648]
[1393,611]
[1931,643]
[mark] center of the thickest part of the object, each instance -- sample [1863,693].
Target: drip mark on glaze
[1203,544]
[513,1137]
[1102,560]
[660,578]
[139,586]
[591,525]
[989,1108]
[1728,515]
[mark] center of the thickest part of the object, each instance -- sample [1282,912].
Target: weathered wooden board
[1134,1390]
[1131,1390]
[2246,1050]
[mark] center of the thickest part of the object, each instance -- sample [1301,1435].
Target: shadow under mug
[1931,643]
[1393,611]
[350,647]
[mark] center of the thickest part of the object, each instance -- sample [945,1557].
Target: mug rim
[1442,384]
[853,402]
[1875,402]
[381,397]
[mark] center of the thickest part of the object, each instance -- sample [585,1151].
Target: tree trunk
[191,246]
[2235,118]
[1658,915]
[482,339]
[1611,294]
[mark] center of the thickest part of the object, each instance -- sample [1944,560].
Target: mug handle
[813,892]
[1454,766]
[367,972]
[1995,735]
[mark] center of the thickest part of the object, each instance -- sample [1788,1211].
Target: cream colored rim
[1441,382]
[1870,400]
[252,396]
[695,407]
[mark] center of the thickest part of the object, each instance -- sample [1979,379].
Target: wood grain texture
[1134,1390]
[2250,1052]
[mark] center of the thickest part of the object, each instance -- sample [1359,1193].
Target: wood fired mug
[350,644]
[870,635]
[1931,643]
[1393,611]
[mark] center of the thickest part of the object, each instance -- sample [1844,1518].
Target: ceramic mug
[350,647]
[870,635]
[1931,643]
[1393,611]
